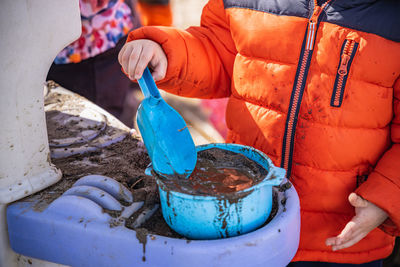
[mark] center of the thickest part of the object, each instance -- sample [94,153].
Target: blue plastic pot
[227,215]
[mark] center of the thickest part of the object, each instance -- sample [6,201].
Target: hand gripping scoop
[164,132]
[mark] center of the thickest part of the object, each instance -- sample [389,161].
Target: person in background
[316,86]
[89,66]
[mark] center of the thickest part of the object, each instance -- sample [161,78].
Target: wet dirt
[157,225]
[56,130]
[141,235]
[218,172]
[285,186]
[124,161]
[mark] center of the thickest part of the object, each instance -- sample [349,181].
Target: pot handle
[148,170]
[275,176]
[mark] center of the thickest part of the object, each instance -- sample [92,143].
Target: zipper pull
[312,24]
[343,65]
[312,27]
[317,11]
[347,51]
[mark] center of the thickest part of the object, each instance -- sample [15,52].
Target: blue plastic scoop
[164,132]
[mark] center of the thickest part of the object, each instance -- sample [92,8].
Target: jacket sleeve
[383,185]
[200,59]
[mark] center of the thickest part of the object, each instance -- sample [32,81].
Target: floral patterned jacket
[104,23]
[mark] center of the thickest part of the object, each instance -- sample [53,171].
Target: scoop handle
[148,86]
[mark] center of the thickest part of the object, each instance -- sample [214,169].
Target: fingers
[134,58]
[346,234]
[120,54]
[357,201]
[143,60]
[368,217]
[159,68]
[350,235]
[136,55]
[331,241]
[353,240]
[123,57]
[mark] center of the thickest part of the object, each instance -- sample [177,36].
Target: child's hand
[136,55]
[368,217]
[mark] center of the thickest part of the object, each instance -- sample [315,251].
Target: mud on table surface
[125,162]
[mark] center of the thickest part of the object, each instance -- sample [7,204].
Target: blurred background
[187,12]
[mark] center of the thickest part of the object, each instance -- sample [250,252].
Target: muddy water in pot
[219,172]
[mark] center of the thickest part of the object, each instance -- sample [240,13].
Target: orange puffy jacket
[316,87]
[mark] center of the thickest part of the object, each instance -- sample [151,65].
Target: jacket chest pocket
[348,51]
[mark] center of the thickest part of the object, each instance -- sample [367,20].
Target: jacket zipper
[348,52]
[298,87]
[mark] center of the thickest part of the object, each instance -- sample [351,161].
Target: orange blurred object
[75,58]
[155,14]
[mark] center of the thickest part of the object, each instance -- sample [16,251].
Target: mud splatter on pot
[225,215]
